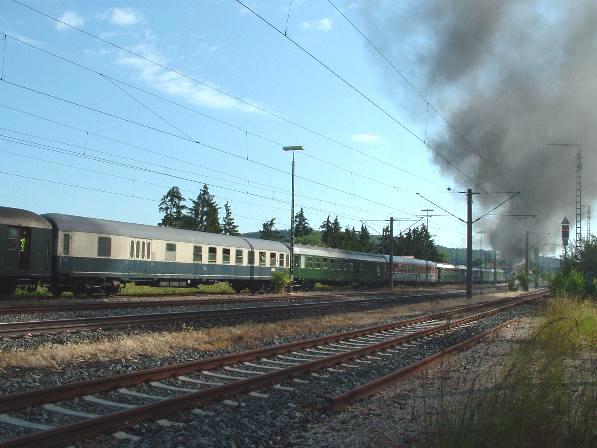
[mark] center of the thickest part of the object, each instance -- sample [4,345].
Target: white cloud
[71,18]
[365,138]
[177,85]
[324,24]
[123,16]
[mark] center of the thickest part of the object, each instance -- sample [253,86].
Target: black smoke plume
[511,76]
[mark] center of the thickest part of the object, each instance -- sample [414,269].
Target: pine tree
[326,229]
[172,206]
[203,215]
[228,225]
[268,232]
[301,224]
[335,233]
[365,243]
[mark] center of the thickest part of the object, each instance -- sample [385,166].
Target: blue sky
[222,45]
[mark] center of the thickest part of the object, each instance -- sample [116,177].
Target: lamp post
[292,149]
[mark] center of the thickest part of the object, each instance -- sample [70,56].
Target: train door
[18,245]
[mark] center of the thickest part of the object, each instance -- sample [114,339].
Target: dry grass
[543,397]
[247,335]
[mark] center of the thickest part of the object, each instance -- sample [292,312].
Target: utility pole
[427,210]
[526,259]
[469,230]
[391,276]
[469,243]
[292,149]
[578,147]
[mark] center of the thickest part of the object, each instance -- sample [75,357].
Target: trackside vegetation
[547,396]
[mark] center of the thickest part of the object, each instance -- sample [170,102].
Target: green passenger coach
[337,267]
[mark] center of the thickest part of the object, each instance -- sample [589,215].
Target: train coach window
[325,263]
[251,260]
[317,263]
[148,250]
[272,259]
[332,264]
[197,254]
[104,246]
[132,251]
[239,259]
[66,244]
[143,249]
[262,258]
[281,264]
[226,256]
[170,251]
[212,254]
[138,251]
[13,234]
[309,262]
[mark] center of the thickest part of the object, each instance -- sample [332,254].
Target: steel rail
[365,390]
[86,323]
[116,420]
[62,305]
[21,400]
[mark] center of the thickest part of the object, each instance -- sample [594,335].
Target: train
[83,255]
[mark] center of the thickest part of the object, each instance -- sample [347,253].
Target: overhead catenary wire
[141,148]
[220,91]
[247,132]
[429,104]
[208,146]
[161,173]
[130,145]
[135,180]
[359,92]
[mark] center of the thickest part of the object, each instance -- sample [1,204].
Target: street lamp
[292,149]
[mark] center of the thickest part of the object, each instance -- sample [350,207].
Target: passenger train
[88,255]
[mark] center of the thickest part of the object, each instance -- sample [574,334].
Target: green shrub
[523,280]
[568,283]
[322,287]
[512,284]
[280,280]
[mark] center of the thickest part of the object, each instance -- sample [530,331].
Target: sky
[209,93]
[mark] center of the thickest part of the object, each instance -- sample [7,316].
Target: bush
[512,285]
[523,280]
[568,283]
[280,280]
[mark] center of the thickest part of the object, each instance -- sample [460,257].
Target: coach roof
[23,218]
[69,223]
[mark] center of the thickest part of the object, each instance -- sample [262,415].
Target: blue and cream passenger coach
[97,254]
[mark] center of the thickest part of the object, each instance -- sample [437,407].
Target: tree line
[203,215]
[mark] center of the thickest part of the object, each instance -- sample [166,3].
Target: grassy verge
[130,289]
[547,394]
[138,290]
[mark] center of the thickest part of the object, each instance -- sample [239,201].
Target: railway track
[60,305]
[127,399]
[40,327]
